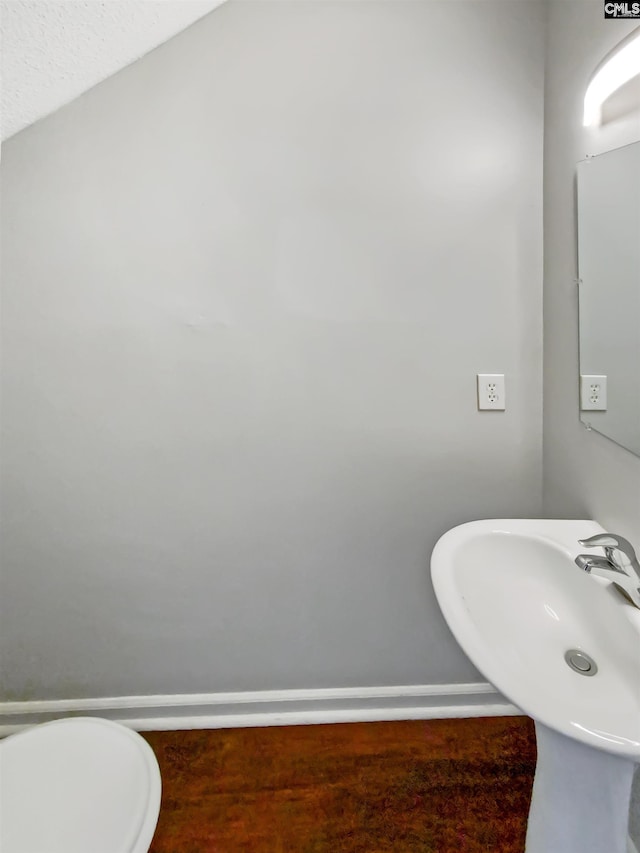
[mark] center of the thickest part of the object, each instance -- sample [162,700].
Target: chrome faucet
[619,564]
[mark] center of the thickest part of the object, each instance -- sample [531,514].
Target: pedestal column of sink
[580,800]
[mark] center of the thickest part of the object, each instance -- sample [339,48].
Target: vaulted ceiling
[54,50]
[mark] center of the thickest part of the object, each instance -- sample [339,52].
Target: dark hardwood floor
[437,786]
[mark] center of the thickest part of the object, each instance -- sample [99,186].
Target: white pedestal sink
[517,604]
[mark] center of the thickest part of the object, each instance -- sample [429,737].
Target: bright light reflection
[610,738]
[552,612]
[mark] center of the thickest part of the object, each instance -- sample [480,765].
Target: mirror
[609,300]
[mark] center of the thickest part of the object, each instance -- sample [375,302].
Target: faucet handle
[606,540]
[613,546]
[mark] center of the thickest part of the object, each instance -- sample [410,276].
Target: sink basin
[516,602]
[523,611]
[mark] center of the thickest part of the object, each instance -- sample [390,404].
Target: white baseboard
[269,707]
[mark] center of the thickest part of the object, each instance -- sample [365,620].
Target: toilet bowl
[78,785]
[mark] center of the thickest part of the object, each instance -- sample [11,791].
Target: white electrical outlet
[491,391]
[593,393]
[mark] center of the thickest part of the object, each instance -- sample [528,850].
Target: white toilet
[78,785]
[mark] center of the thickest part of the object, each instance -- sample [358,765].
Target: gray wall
[248,283]
[585,474]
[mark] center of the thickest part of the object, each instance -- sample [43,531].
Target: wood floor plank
[437,786]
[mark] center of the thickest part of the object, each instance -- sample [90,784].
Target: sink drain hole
[581,662]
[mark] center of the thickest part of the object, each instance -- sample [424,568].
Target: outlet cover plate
[593,393]
[491,391]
